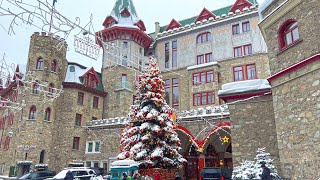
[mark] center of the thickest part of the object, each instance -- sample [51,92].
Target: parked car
[39,175]
[79,173]
[216,173]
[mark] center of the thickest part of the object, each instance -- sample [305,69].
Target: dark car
[38,175]
[216,173]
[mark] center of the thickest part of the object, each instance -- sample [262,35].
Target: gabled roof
[240,4]
[205,14]
[217,12]
[173,24]
[92,71]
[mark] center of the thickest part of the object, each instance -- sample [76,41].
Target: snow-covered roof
[244,86]
[264,5]
[202,65]
[123,163]
[119,6]
[74,71]
[204,112]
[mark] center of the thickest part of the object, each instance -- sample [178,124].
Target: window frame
[53,67]
[76,143]
[82,98]
[76,120]
[47,114]
[234,51]
[94,145]
[39,64]
[166,55]
[247,25]
[283,31]
[204,58]
[95,102]
[250,50]
[36,87]
[167,87]
[208,37]
[174,53]
[199,75]
[244,71]
[200,95]
[51,89]
[175,84]
[32,113]
[237,29]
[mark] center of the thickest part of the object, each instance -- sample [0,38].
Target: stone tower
[124,42]
[47,60]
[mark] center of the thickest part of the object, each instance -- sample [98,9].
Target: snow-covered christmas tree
[149,137]
[253,170]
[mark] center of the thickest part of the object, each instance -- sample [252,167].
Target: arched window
[42,156]
[39,63]
[204,37]
[47,114]
[32,113]
[289,33]
[54,66]
[35,87]
[51,89]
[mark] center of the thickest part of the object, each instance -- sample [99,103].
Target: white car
[79,173]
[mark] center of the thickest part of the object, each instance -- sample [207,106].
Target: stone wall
[253,127]
[305,13]
[296,99]
[119,98]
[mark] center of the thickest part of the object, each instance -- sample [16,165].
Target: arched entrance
[214,150]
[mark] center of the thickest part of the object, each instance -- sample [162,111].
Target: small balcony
[124,86]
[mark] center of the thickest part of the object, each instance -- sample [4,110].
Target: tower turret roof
[125,13]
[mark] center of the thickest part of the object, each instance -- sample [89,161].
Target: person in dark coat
[124,176]
[69,176]
[265,173]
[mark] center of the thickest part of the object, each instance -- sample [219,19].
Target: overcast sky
[16,46]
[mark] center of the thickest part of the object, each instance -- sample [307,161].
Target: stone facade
[295,86]
[256,131]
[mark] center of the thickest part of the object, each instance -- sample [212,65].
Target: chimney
[157,28]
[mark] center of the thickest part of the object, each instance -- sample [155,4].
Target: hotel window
[238,73]
[123,80]
[95,102]
[93,147]
[289,33]
[247,49]
[167,90]
[76,143]
[251,71]
[125,44]
[54,66]
[246,26]
[32,113]
[175,93]
[78,120]
[202,77]
[203,98]
[245,72]
[204,58]
[204,37]
[35,87]
[235,29]
[166,61]
[124,61]
[39,64]
[80,98]
[237,51]
[47,114]
[174,54]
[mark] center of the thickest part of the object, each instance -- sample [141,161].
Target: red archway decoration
[200,143]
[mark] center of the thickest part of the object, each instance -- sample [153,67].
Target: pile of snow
[244,86]
[124,163]
[202,65]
